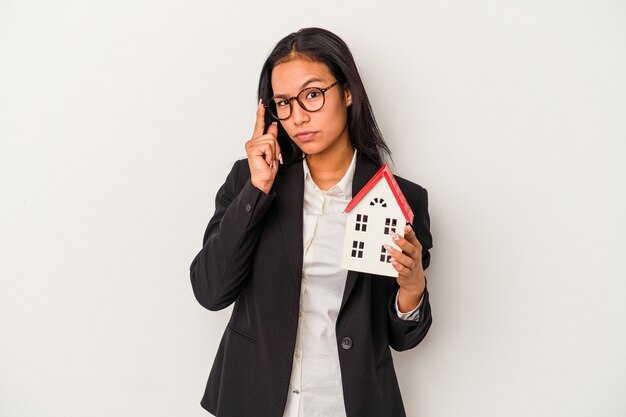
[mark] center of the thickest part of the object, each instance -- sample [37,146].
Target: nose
[298,114]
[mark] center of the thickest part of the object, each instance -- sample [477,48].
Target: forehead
[291,76]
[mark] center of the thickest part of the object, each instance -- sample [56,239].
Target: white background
[119,120]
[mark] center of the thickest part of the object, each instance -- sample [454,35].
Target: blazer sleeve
[219,270]
[406,334]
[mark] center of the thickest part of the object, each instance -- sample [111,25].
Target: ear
[347,97]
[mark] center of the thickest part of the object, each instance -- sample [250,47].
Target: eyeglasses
[310,99]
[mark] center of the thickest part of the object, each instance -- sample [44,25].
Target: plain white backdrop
[119,120]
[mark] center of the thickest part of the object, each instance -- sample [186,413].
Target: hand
[263,153]
[408,263]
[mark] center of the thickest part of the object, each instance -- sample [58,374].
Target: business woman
[307,338]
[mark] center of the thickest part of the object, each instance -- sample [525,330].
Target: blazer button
[248,207]
[346,343]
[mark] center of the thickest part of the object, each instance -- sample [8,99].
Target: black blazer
[252,256]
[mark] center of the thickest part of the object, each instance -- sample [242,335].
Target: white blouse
[315,388]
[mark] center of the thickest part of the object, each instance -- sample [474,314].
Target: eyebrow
[303,86]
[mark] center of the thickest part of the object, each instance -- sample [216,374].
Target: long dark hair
[320,45]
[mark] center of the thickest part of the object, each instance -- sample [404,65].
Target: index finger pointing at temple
[259,126]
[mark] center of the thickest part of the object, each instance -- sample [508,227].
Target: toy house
[377,210]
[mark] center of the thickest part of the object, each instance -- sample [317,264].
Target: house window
[384,256]
[357,249]
[361,223]
[390,225]
[379,201]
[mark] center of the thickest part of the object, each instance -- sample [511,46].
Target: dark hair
[320,45]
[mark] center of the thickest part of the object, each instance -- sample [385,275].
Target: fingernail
[389,249]
[274,123]
[408,228]
[260,101]
[280,158]
[395,236]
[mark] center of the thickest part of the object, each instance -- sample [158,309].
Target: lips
[305,136]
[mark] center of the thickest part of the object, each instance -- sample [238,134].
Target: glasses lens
[312,99]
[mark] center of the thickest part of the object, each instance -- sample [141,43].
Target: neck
[330,167]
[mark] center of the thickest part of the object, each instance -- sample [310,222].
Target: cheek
[288,128]
[338,117]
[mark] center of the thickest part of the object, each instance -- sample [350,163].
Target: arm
[410,286]
[406,334]
[413,314]
[219,270]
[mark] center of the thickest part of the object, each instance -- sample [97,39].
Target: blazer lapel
[364,170]
[289,188]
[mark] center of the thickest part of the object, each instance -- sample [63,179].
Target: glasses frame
[291,99]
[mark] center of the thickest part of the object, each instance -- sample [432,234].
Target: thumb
[273,129]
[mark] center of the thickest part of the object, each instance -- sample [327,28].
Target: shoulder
[243,169]
[409,185]
[414,193]
[366,168]
[239,174]
[417,197]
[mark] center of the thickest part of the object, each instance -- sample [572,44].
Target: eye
[313,94]
[281,103]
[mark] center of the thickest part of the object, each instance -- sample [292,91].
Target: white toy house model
[377,210]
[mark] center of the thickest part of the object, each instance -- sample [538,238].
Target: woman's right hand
[263,153]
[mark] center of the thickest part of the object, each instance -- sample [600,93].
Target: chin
[311,148]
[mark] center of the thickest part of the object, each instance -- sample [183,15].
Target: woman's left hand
[408,263]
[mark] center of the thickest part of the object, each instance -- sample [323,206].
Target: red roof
[384,172]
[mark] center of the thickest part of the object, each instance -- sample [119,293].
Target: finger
[263,147]
[268,152]
[269,139]
[409,234]
[406,246]
[402,270]
[401,258]
[273,130]
[259,125]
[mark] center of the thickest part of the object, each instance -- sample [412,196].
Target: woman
[307,338]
